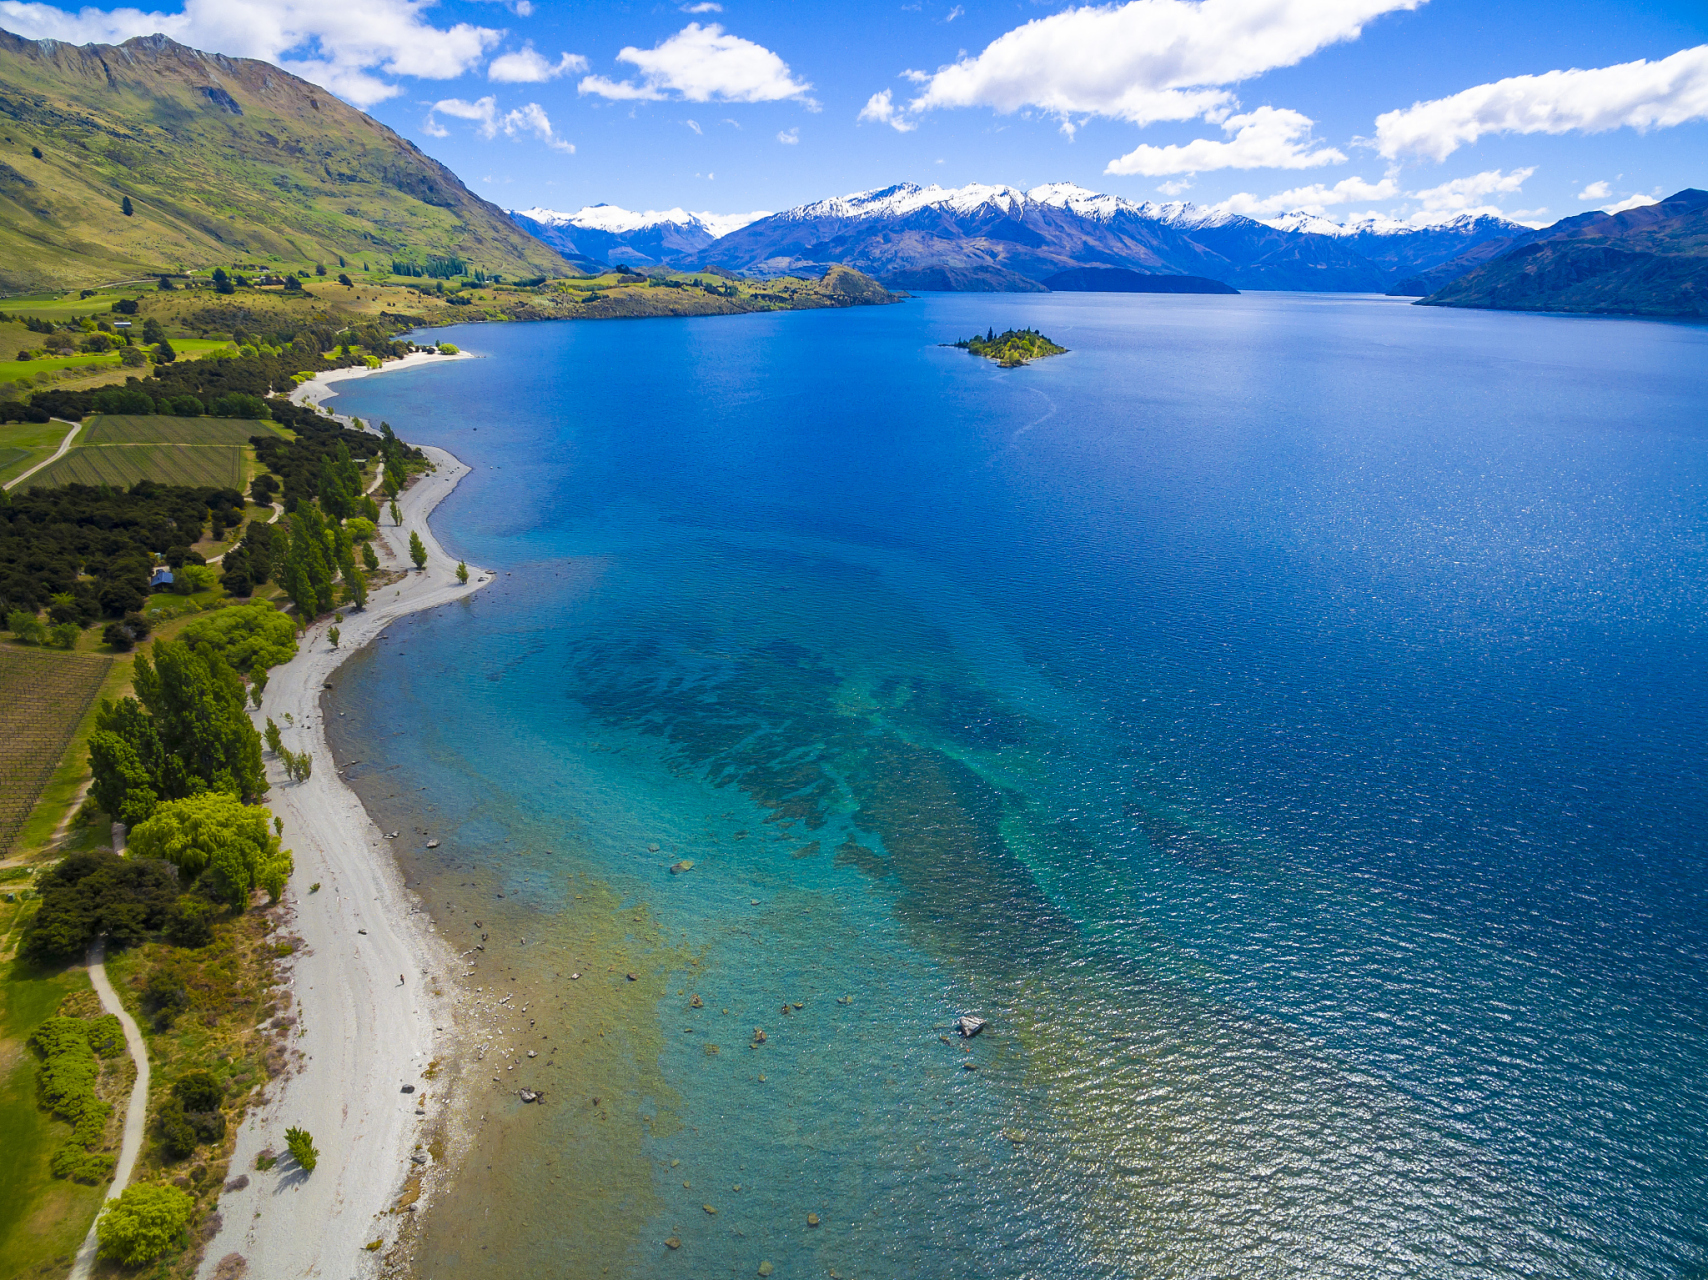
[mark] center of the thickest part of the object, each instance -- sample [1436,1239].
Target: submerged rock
[432,844]
[677,868]
[529,1095]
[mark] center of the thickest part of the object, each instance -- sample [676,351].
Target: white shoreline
[361,1036]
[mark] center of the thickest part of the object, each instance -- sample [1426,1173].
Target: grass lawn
[42,1218]
[23,444]
[44,698]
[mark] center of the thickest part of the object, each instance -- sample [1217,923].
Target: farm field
[118,428]
[220,466]
[43,698]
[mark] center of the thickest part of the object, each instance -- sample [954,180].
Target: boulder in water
[968,1025]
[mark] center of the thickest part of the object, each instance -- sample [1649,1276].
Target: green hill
[225,161]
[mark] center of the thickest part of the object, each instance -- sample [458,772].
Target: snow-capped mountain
[608,233]
[992,236]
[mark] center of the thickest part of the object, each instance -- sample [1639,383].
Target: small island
[1011,348]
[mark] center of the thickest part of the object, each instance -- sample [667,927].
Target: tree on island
[417,552]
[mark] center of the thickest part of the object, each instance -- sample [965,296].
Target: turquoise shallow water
[1282,716]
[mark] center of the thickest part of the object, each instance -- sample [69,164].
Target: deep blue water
[1283,716]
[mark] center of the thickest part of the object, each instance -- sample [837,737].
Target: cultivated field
[219,465]
[119,428]
[43,697]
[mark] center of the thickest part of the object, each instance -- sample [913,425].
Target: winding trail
[136,1113]
[64,446]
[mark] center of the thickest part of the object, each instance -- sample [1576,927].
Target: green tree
[219,839]
[163,353]
[396,515]
[301,1146]
[417,552]
[142,1223]
[332,635]
[308,569]
[126,207]
[370,557]
[462,572]
[26,626]
[186,732]
[64,635]
[250,637]
[275,740]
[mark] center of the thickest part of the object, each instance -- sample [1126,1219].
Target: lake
[1282,717]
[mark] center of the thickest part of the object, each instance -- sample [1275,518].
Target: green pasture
[220,466]
[128,429]
[23,444]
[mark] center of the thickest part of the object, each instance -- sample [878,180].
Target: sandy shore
[319,387]
[362,1034]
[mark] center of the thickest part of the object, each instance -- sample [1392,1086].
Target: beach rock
[632,978]
[417,1159]
[528,1095]
[432,844]
[575,977]
[968,1025]
[533,1053]
[408,1088]
[677,868]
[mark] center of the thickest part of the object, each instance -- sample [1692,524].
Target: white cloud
[702,64]
[525,66]
[789,137]
[1177,187]
[880,108]
[1431,205]
[1633,202]
[1595,191]
[705,6]
[1641,95]
[1267,138]
[1470,195]
[489,123]
[954,13]
[1146,60]
[695,126]
[1313,199]
[345,45]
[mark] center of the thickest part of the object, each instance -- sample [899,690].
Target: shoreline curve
[361,1034]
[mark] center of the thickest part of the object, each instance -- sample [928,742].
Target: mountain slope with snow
[608,233]
[999,237]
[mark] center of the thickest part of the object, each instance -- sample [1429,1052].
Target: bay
[1281,717]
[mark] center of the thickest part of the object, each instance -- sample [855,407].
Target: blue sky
[1343,106]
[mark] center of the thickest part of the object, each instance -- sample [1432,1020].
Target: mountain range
[1651,260]
[999,238]
[223,160]
[605,233]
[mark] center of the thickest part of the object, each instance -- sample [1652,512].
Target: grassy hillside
[227,162]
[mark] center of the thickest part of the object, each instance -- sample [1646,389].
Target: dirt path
[64,445]
[136,1113]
